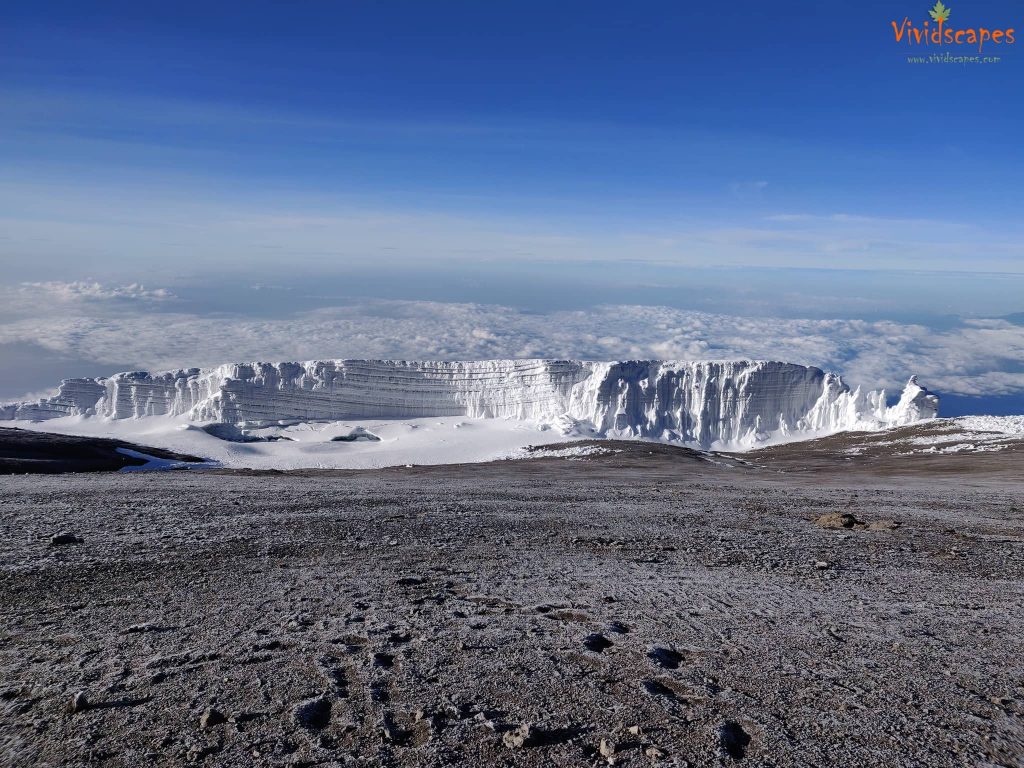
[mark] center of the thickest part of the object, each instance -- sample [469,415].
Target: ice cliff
[706,404]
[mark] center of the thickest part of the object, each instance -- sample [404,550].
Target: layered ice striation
[706,404]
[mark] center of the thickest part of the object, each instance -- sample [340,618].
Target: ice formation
[708,404]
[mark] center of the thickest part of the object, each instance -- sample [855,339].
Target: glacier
[732,404]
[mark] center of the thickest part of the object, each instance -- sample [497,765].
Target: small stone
[635,730]
[79,702]
[59,539]
[211,717]
[607,749]
[518,738]
[821,565]
[654,753]
[418,715]
[484,720]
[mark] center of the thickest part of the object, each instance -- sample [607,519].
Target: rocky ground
[642,607]
[23,452]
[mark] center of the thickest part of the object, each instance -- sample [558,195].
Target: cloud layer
[976,357]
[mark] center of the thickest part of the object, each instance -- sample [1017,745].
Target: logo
[939,32]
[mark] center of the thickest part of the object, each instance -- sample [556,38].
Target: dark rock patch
[733,739]
[597,643]
[665,657]
[313,714]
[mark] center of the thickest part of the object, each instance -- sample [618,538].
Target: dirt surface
[25,452]
[899,452]
[650,606]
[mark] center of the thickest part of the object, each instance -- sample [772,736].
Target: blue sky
[770,160]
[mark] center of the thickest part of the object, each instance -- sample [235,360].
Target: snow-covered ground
[970,434]
[963,434]
[1006,425]
[313,445]
[352,444]
[375,413]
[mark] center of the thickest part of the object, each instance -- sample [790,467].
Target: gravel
[636,608]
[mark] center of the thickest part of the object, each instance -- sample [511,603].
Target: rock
[654,753]
[634,730]
[518,738]
[60,539]
[79,702]
[821,565]
[197,753]
[211,717]
[839,520]
[607,750]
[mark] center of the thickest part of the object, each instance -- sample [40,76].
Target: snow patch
[1006,425]
[569,452]
[152,462]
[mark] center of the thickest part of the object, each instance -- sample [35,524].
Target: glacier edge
[729,404]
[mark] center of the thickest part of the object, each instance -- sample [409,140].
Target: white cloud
[94,291]
[979,357]
[31,397]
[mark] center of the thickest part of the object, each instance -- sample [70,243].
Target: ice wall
[718,403]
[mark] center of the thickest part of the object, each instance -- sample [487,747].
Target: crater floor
[647,605]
